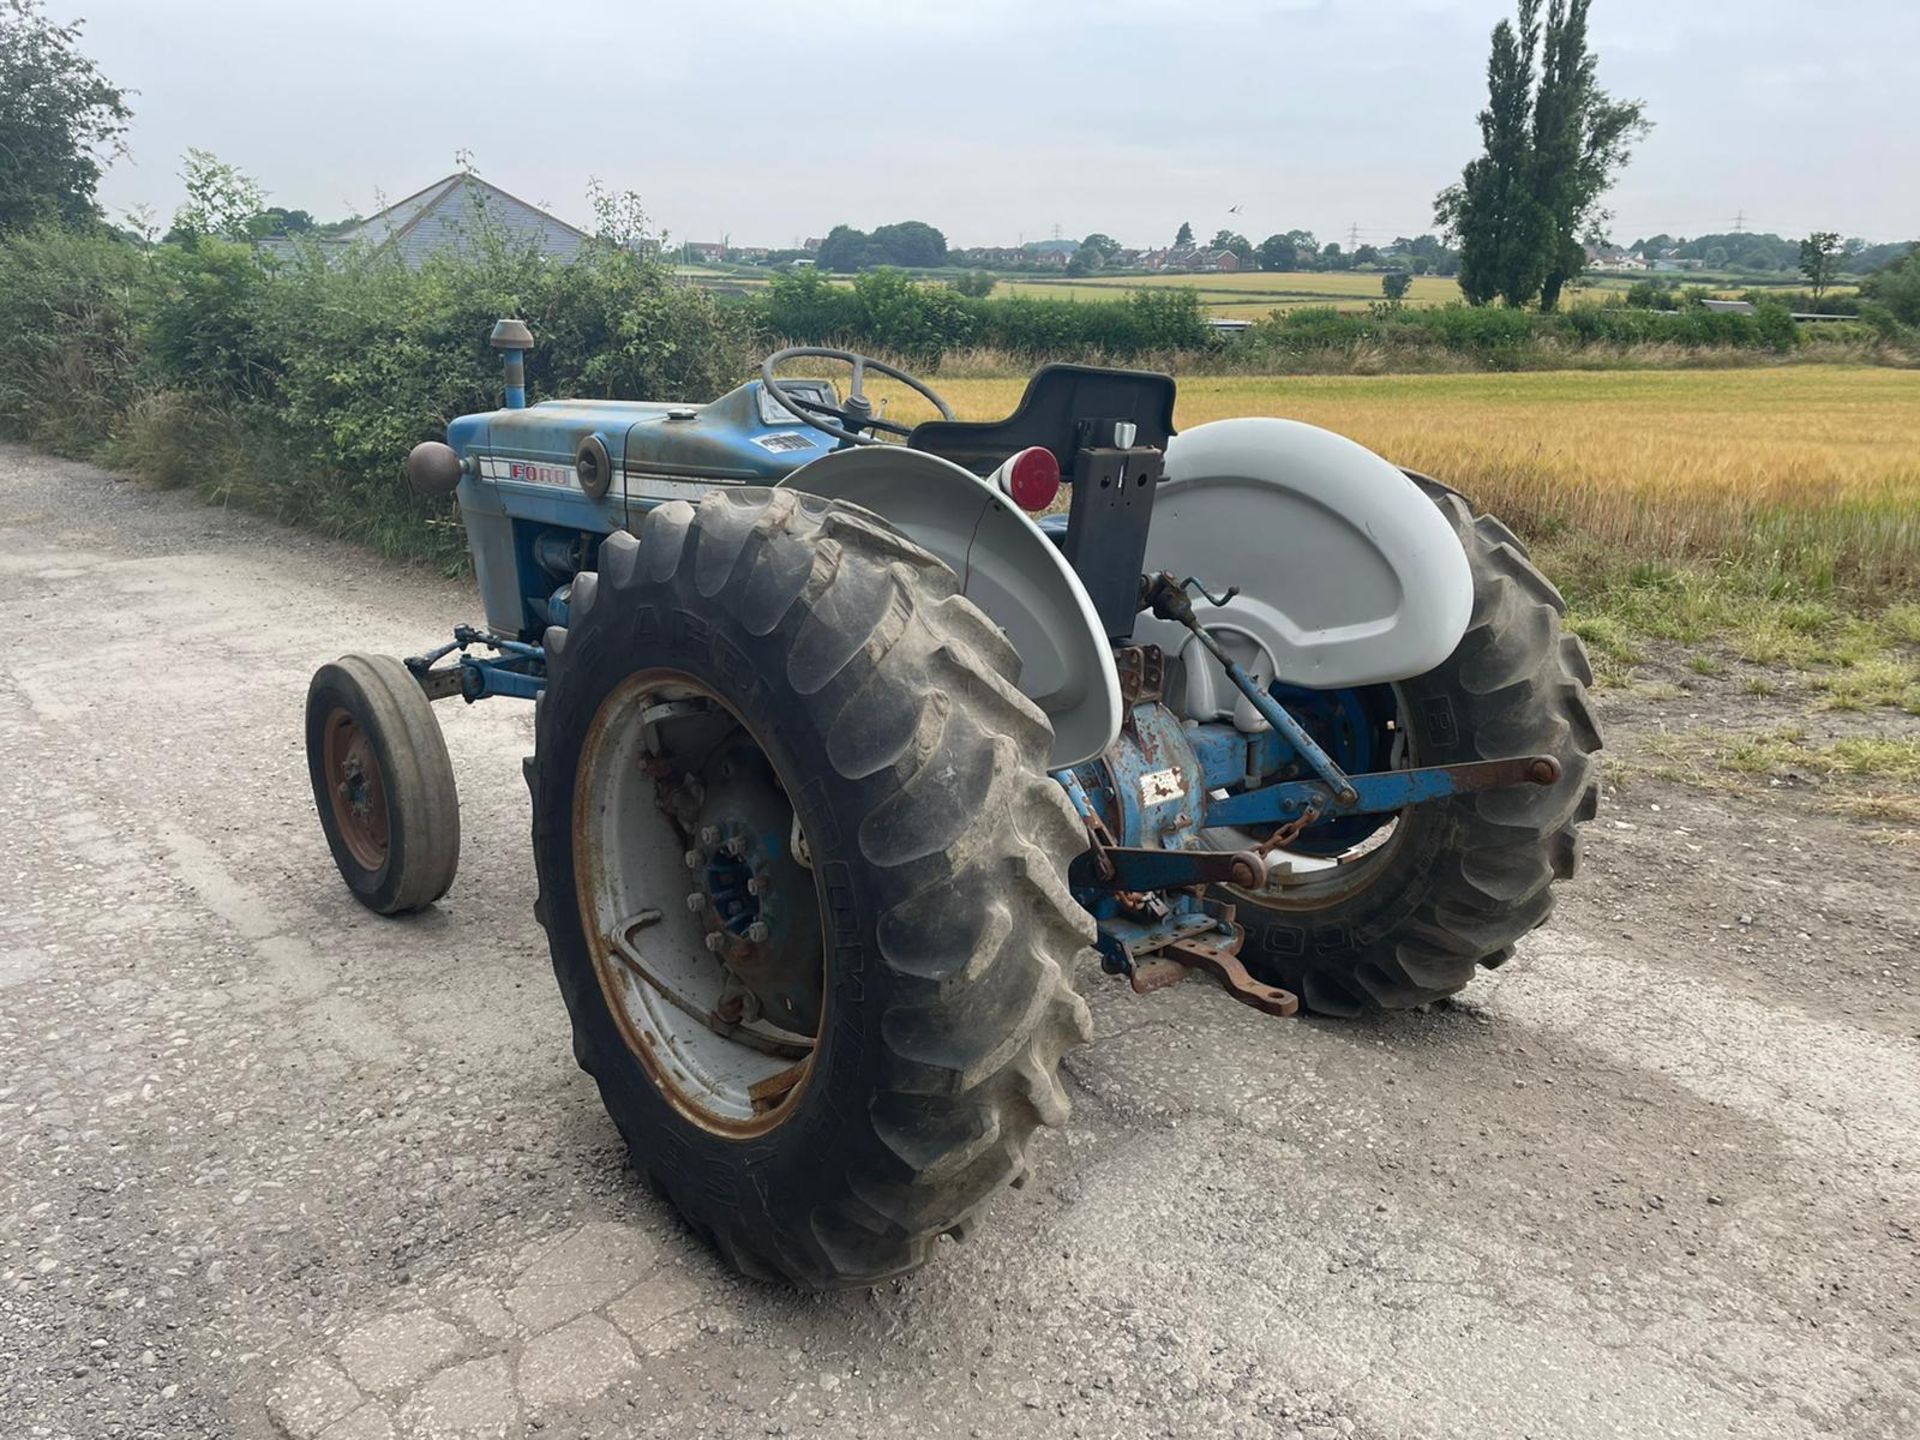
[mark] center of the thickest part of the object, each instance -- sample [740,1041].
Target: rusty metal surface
[442,684]
[1156,973]
[1222,961]
[357,789]
[1143,673]
[1146,868]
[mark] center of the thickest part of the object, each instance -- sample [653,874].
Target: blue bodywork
[1321,765]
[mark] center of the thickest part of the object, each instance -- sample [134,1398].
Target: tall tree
[1185,235]
[1525,204]
[1492,211]
[1820,259]
[60,120]
[1897,286]
[1278,252]
[222,200]
[1581,137]
[1241,247]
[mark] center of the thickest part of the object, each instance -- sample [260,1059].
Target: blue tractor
[852,741]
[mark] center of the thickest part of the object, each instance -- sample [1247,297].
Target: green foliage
[1500,223]
[59,118]
[1819,259]
[1184,236]
[1236,244]
[910,243]
[1652,295]
[299,387]
[1524,205]
[1395,284]
[1278,252]
[205,326]
[886,310]
[1501,337]
[222,201]
[72,306]
[1581,136]
[975,284]
[1897,288]
[920,322]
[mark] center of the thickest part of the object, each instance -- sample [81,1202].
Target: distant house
[707,252]
[1226,262]
[446,214]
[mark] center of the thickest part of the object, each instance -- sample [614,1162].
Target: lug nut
[696,902]
[714,942]
[757,885]
[757,932]
[693,859]
[709,834]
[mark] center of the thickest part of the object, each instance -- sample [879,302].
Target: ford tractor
[856,741]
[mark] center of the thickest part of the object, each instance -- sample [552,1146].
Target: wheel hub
[722,997]
[359,794]
[755,899]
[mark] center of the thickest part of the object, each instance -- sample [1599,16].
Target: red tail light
[1032,478]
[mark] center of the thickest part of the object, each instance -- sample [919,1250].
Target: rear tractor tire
[383,783]
[802,873]
[1457,882]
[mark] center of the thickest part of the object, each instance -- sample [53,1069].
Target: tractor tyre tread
[954,844]
[1476,873]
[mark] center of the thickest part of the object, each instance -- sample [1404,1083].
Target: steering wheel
[848,420]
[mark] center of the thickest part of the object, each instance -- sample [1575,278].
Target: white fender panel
[1007,567]
[1348,573]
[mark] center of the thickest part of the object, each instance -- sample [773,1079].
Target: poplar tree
[1492,211]
[1524,206]
[1581,137]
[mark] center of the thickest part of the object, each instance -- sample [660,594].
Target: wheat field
[1810,472]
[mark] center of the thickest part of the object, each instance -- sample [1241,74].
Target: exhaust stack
[513,339]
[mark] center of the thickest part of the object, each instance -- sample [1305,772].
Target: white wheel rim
[661,982]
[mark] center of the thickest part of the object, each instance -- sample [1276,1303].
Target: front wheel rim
[710,1047]
[356,789]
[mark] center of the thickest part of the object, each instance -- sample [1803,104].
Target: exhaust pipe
[513,339]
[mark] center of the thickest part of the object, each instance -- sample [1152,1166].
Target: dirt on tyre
[1456,882]
[382,782]
[802,876]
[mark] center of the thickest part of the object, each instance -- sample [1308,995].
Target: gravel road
[275,1167]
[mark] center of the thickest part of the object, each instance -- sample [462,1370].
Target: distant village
[444,213]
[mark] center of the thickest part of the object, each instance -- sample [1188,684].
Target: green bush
[72,310]
[205,330]
[1896,288]
[298,386]
[886,310]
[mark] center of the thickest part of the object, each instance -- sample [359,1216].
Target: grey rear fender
[1348,575]
[1006,565]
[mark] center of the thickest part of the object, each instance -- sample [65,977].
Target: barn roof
[442,215]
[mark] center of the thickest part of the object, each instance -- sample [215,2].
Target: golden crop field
[1251,296]
[1810,470]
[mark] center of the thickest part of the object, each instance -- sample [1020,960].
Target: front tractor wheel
[802,875]
[1399,913]
[382,782]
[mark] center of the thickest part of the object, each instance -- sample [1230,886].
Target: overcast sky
[997,120]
